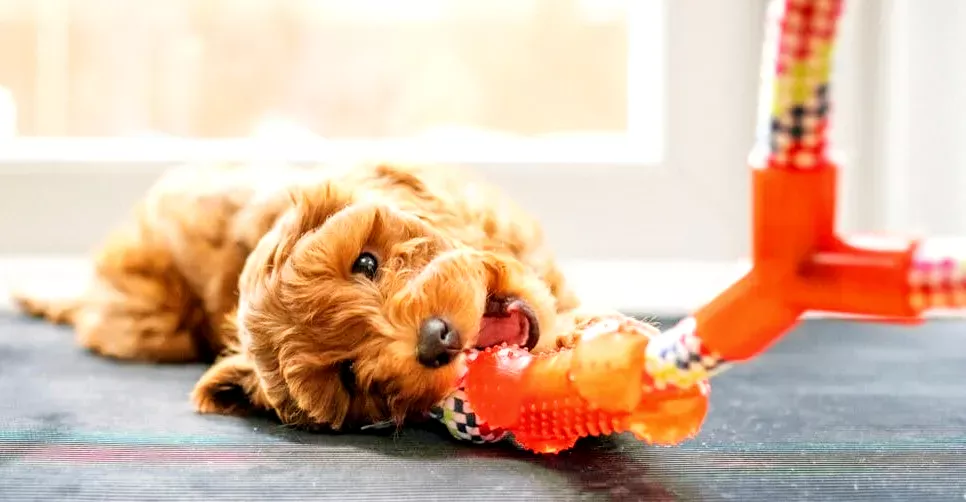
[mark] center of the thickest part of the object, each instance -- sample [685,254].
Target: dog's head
[353,312]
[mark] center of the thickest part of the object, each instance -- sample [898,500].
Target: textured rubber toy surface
[600,387]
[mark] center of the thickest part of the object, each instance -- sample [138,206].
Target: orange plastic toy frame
[800,262]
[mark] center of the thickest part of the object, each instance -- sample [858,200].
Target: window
[565,75]
[624,125]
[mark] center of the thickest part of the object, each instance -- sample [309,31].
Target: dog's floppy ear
[230,387]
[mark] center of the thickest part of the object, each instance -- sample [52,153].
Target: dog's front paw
[571,325]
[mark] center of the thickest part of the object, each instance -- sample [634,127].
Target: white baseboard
[658,288]
[653,288]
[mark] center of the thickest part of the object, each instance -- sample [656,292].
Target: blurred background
[623,124]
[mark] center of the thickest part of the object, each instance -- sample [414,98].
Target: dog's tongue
[512,329]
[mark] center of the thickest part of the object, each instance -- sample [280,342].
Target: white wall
[930,149]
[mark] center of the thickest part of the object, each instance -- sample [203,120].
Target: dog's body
[329,296]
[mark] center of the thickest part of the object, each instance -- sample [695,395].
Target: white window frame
[641,144]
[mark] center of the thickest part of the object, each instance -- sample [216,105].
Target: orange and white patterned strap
[937,274]
[796,73]
[677,357]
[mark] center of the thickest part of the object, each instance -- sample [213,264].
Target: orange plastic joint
[799,264]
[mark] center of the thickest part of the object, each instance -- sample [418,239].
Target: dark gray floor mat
[837,411]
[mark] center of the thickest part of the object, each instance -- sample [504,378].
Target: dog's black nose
[438,343]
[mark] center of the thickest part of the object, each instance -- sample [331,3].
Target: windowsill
[456,148]
[653,288]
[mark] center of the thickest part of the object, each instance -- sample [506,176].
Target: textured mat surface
[837,411]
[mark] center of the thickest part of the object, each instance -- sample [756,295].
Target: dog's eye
[366,264]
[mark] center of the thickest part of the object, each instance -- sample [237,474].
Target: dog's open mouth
[508,320]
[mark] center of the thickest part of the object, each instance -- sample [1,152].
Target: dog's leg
[141,307]
[52,309]
[137,307]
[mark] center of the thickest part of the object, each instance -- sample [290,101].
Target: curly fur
[249,267]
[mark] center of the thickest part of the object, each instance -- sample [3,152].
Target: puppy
[331,297]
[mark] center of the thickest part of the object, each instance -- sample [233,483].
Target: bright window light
[515,81]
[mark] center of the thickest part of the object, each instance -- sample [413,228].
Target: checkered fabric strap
[677,358]
[463,423]
[794,108]
[937,274]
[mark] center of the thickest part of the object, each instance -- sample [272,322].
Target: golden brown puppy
[333,297]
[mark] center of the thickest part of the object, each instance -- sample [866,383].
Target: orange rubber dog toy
[549,401]
[600,387]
